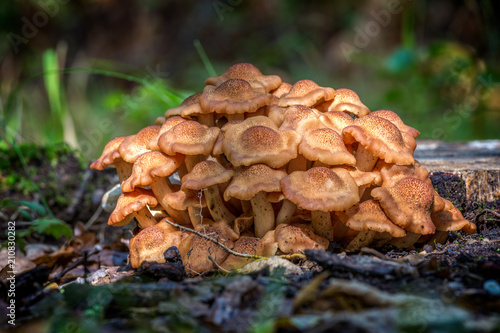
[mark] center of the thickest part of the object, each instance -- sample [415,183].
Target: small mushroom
[150,243]
[193,201]
[308,93]
[321,190]
[135,202]
[264,247]
[166,126]
[283,89]
[253,183]
[136,145]
[347,101]
[295,238]
[450,219]
[208,175]
[111,157]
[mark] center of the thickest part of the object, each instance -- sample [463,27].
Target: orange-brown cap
[205,174]
[234,96]
[294,238]
[166,126]
[195,251]
[284,88]
[189,138]
[325,145]
[249,73]
[301,119]
[109,154]
[308,93]
[150,165]
[181,200]
[130,202]
[346,100]
[336,120]
[380,137]
[321,189]
[409,204]
[265,247]
[246,144]
[150,243]
[368,215]
[188,107]
[136,145]
[396,120]
[249,181]
[452,219]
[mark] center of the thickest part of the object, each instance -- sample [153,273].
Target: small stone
[272,263]
[492,286]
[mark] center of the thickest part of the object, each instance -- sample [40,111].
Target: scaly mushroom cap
[189,138]
[301,119]
[149,165]
[365,178]
[130,202]
[188,107]
[150,243]
[336,120]
[284,88]
[249,73]
[234,96]
[380,137]
[308,93]
[181,200]
[136,145]
[195,251]
[368,215]
[321,189]
[325,145]
[452,220]
[409,204]
[109,154]
[166,126]
[396,120]
[245,144]
[247,182]
[294,238]
[205,174]
[264,247]
[346,100]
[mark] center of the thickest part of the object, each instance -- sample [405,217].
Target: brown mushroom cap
[189,138]
[298,118]
[396,120]
[452,219]
[136,145]
[130,202]
[284,88]
[245,144]
[109,154]
[336,120]
[234,96]
[150,243]
[381,138]
[187,108]
[294,238]
[181,200]
[392,173]
[308,93]
[321,189]
[346,100]
[150,165]
[249,181]
[368,215]
[325,145]
[408,204]
[264,247]
[166,126]
[206,174]
[249,73]
[195,251]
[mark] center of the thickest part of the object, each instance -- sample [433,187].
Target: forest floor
[85,285]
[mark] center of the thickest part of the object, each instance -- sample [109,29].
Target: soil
[451,288]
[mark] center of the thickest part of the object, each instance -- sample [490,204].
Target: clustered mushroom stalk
[268,167]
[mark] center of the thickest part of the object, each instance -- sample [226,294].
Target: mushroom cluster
[267,167]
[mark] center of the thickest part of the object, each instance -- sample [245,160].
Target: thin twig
[222,246]
[217,265]
[78,196]
[489,211]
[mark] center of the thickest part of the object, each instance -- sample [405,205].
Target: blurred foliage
[85,72]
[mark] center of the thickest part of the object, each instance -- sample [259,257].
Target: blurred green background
[85,71]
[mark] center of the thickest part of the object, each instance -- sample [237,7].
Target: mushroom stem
[319,164]
[196,216]
[286,212]
[321,223]
[206,119]
[365,160]
[182,171]
[263,214]
[191,161]
[160,187]
[363,238]
[406,241]
[235,116]
[246,206]
[123,169]
[144,218]
[439,237]
[216,206]
[297,164]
